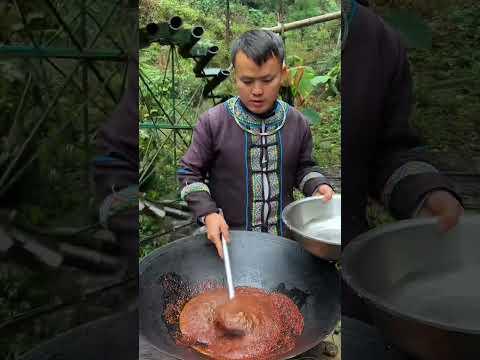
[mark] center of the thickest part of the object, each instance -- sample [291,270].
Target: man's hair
[259,45]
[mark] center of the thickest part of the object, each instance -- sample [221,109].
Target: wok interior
[422,273]
[258,260]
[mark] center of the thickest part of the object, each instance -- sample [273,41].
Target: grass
[327,133]
[446,92]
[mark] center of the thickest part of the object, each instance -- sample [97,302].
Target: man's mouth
[257,102]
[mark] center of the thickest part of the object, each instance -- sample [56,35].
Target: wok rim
[163,352]
[354,247]
[164,248]
[145,262]
[202,356]
[297,231]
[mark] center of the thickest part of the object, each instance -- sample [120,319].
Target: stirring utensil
[228,269]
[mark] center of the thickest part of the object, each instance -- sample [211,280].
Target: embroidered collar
[253,124]
[265,115]
[349,9]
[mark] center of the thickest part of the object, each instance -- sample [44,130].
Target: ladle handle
[228,269]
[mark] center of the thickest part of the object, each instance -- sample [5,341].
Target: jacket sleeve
[308,175]
[193,171]
[401,174]
[116,168]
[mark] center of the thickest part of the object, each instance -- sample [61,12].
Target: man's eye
[266,81]
[247,82]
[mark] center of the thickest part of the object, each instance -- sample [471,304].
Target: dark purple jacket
[218,150]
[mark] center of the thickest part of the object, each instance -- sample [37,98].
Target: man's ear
[284,75]
[234,75]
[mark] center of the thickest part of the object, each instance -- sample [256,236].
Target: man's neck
[264,115]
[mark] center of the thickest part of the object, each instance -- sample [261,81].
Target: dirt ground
[317,353]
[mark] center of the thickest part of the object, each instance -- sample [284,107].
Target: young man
[253,148]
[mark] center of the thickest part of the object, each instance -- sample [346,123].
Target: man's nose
[257,89]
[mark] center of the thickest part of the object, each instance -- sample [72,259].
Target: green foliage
[208,7]
[302,9]
[312,115]
[304,81]
[332,80]
[444,77]
[13,292]
[256,16]
[326,133]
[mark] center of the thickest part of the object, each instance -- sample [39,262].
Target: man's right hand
[216,225]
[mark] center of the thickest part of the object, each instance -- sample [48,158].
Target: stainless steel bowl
[316,225]
[421,285]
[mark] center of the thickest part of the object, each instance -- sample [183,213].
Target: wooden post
[228,31]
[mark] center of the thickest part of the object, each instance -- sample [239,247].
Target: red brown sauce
[265,324]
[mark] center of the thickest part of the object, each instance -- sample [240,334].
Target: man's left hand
[326,191]
[443,205]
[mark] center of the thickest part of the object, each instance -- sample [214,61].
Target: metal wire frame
[173,126]
[85,58]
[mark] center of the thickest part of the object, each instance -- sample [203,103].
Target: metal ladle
[231,289]
[228,269]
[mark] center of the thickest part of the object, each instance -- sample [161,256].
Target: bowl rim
[352,249]
[296,230]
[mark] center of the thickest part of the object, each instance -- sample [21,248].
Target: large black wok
[258,260]
[112,337]
[422,286]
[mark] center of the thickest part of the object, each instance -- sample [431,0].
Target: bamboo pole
[306,22]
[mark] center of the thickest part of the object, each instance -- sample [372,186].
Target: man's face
[258,86]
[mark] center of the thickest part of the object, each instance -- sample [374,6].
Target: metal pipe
[145,36]
[195,35]
[212,84]
[158,31]
[175,23]
[152,29]
[211,52]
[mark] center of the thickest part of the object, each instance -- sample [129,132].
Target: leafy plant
[304,81]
